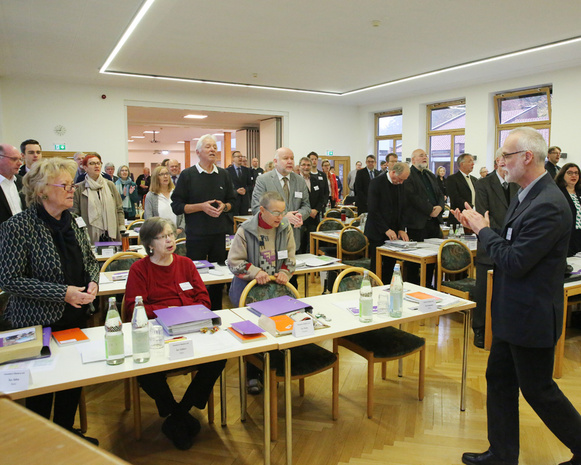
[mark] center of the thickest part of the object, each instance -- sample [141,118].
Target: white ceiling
[324,45]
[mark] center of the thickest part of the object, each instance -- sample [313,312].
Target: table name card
[14,380]
[303,328]
[428,305]
[181,349]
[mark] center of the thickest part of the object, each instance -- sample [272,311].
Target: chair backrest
[254,292]
[330,224]
[333,213]
[135,224]
[348,212]
[454,257]
[181,247]
[121,261]
[352,241]
[356,222]
[4,324]
[350,279]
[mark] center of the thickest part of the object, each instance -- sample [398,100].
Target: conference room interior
[298,78]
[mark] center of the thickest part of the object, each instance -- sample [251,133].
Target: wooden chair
[455,266]
[181,247]
[135,224]
[330,224]
[380,345]
[132,391]
[121,261]
[354,247]
[348,212]
[306,360]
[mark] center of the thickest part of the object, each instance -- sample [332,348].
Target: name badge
[186,286]
[298,195]
[320,178]
[508,234]
[282,254]
[80,222]
[316,188]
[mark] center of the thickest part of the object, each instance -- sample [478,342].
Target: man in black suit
[11,199]
[317,201]
[553,158]
[361,184]
[527,303]
[31,151]
[242,182]
[424,205]
[321,177]
[493,195]
[256,170]
[385,217]
[460,186]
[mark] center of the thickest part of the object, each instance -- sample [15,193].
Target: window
[446,124]
[388,129]
[530,107]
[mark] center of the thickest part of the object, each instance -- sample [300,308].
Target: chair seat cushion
[305,359]
[463,285]
[387,342]
[360,263]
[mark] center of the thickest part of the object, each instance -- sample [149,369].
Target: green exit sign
[329,153]
[60,146]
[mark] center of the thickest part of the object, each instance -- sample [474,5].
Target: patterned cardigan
[31,269]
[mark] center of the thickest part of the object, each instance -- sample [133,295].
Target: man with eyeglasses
[11,199]
[461,186]
[530,256]
[317,200]
[31,151]
[385,217]
[553,157]
[242,182]
[361,184]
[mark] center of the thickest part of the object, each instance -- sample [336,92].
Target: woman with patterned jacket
[48,269]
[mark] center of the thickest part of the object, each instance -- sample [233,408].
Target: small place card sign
[303,328]
[108,252]
[181,349]
[14,380]
[428,306]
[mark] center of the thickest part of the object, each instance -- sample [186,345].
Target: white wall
[34,108]
[480,123]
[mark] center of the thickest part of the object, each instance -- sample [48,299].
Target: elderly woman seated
[263,246]
[165,279]
[49,270]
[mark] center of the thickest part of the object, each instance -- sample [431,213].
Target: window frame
[395,138]
[453,133]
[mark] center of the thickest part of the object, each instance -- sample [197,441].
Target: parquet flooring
[403,431]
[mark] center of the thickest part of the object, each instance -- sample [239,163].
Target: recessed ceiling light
[218,134]
[165,152]
[138,137]
[129,140]
[196,138]
[180,142]
[150,132]
[196,116]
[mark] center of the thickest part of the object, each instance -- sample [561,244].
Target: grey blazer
[151,209]
[299,196]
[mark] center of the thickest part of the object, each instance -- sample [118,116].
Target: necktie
[370,174]
[174,179]
[286,190]
[239,172]
[472,191]
[506,192]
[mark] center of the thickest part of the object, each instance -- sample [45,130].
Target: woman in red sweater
[165,279]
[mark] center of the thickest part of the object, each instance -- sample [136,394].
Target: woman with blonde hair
[158,199]
[99,203]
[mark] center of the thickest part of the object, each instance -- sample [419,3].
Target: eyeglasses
[14,159]
[274,213]
[165,237]
[94,163]
[163,174]
[572,173]
[506,155]
[66,187]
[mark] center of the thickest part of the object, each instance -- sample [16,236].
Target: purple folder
[277,306]
[108,244]
[203,264]
[247,327]
[180,315]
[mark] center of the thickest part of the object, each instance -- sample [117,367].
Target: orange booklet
[245,337]
[419,296]
[69,336]
[277,325]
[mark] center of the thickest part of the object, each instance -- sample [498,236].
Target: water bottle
[140,332]
[396,293]
[366,300]
[114,344]
[460,232]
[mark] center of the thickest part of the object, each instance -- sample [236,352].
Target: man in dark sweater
[317,201]
[385,216]
[205,194]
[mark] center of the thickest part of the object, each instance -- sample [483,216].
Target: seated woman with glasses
[165,279]
[128,192]
[263,246]
[569,182]
[49,270]
[99,203]
[158,199]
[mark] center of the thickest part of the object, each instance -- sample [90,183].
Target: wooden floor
[402,431]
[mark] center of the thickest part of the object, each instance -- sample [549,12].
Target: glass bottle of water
[366,300]
[114,344]
[460,232]
[140,332]
[396,293]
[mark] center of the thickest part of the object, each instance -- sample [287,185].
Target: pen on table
[177,338]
